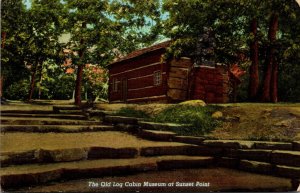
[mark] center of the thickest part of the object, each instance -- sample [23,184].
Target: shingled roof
[143,51]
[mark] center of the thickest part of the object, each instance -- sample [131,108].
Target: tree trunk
[78,85]
[32,83]
[273,27]
[254,75]
[40,79]
[274,82]
[1,83]
[3,37]
[79,73]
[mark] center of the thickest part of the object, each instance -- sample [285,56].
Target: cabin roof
[142,51]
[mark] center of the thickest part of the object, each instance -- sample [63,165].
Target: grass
[197,116]
[131,112]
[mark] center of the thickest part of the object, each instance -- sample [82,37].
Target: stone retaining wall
[271,158]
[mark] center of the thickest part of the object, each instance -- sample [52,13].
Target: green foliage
[139,22]
[101,30]
[95,82]
[131,112]
[12,27]
[63,87]
[197,116]
[18,90]
[54,82]
[289,83]
[230,22]
[31,38]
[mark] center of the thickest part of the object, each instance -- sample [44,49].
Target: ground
[279,122]
[53,154]
[219,179]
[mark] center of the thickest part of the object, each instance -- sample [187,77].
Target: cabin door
[124,90]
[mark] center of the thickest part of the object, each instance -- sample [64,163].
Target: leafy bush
[130,112]
[64,87]
[197,116]
[17,90]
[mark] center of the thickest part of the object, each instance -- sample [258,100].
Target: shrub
[131,112]
[197,116]
[17,90]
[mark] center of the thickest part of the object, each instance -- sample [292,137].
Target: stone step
[120,119]
[65,155]
[276,157]
[256,167]
[287,158]
[56,128]
[65,107]
[56,116]
[74,112]
[189,139]
[192,150]
[157,135]
[273,145]
[289,172]
[269,169]
[100,113]
[18,143]
[263,145]
[296,145]
[51,155]
[27,175]
[234,144]
[162,126]
[44,121]
[26,111]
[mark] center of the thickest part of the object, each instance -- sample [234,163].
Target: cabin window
[115,85]
[157,78]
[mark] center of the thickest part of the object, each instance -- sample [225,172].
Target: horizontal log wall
[211,84]
[136,62]
[140,81]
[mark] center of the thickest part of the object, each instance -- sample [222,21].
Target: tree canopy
[101,31]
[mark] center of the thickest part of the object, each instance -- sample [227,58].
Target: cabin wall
[178,79]
[211,84]
[135,79]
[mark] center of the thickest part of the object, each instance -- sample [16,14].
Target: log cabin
[142,76]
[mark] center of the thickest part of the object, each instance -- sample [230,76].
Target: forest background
[60,49]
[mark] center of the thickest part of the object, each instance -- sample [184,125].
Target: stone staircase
[45,146]
[41,146]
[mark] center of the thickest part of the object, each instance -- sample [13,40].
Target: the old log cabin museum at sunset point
[142,76]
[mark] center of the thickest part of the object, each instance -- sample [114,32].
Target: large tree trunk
[78,85]
[254,75]
[273,27]
[274,82]
[79,73]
